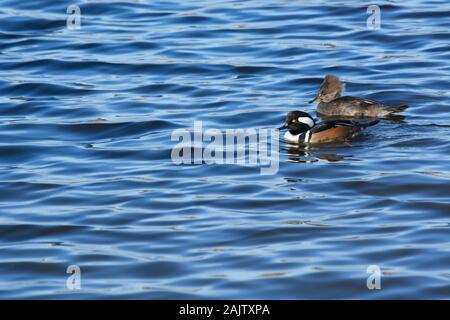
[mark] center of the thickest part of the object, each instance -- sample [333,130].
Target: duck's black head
[298,122]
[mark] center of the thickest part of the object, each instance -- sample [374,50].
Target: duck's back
[353,107]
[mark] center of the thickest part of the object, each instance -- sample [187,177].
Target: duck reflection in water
[306,154]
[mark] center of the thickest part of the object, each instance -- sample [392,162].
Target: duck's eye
[294,121]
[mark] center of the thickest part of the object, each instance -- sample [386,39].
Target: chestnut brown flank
[335,134]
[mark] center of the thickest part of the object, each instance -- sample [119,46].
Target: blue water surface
[86,176]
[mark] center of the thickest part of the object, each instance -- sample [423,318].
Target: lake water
[87,179]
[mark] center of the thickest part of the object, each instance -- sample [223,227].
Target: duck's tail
[396,109]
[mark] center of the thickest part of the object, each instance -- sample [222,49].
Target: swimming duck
[332,104]
[303,129]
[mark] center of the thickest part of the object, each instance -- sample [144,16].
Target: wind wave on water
[86,118]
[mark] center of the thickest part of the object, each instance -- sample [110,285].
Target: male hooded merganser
[332,104]
[303,129]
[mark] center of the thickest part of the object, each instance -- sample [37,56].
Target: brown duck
[332,104]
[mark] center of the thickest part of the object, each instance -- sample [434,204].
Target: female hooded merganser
[332,104]
[303,129]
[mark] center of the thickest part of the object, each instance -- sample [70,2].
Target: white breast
[290,137]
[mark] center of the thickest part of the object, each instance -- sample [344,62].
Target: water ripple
[86,118]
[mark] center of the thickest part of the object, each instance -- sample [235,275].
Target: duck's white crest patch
[291,137]
[308,121]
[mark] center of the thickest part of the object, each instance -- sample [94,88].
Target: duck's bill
[316,99]
[284,126]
